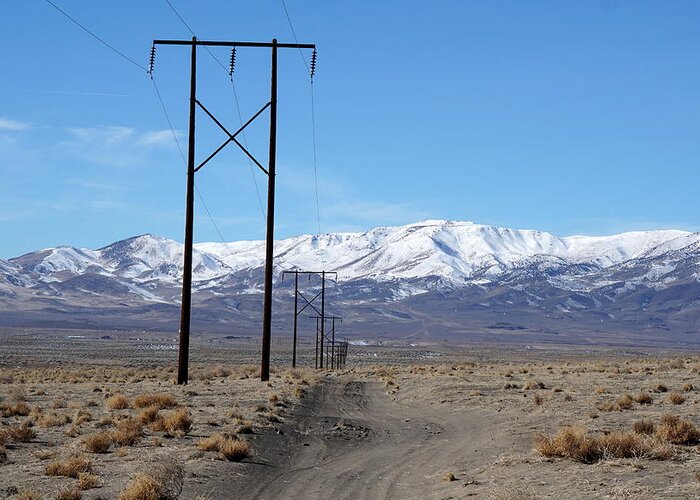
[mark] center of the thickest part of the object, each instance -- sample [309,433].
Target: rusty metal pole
[186,308]
[270,238]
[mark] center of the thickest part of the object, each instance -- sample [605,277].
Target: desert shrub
[644,427]
[87,481]
[577,444]
[660,388]
[20,409]
[449,477]
[675,430]
[117,402]
[53,419]
[28,495]
[69,494]
[158,400]
[69,467]
[148,415]
[625,402]
[17,433]
[234,451]
[688,387]
[533,384]
[142,487]
[643,398]
[601,390]
[177,422]
[229,448]
[127,433]
[676,398]
[163,482]
[98,443]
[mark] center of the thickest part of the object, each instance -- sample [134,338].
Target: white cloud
[159,138]
[7,124]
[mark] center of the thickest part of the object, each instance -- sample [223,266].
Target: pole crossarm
[231,137]
[218,43]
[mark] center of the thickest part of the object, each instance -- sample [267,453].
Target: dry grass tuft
[577,444]
[87,481]
[158,400]
[644,427]
[69,467]
[98,443]
[532,385]
[229,448]
[28,495]
[148,415]
[69,494]
[676,398]
[177,422]
[117,402]
[17,433]
[127,433]
[164,482]
[234,451]
[644,399]
[142,487]
[675,430]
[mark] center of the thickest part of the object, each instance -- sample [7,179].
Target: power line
[182,155]
[238,107]
[313,113]
[116,51]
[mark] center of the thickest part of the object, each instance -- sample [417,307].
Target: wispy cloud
[7,124]
[159,138]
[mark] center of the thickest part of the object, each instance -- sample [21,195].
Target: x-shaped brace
[232,137]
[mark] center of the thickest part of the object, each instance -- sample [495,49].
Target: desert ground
[95,415]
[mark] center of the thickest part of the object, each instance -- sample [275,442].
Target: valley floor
[425,422]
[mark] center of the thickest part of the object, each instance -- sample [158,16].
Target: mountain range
[428,280]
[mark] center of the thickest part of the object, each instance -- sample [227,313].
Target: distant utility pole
[309,303]
[330,344]
[185,316]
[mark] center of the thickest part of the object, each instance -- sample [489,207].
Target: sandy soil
[427,422]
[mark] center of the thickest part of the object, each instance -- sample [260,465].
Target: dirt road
[349,439]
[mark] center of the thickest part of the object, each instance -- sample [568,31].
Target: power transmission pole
[308,302]
[185,316]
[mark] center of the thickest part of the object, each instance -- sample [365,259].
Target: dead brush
[69,467]
[98,443]
[675,430]
[531,385]
[577,444]
[128,432]
[53,419]
[20,409]
[164,482]
[148,415]
[175,423]
[157,400]
[676,398]
[69,494]
[644,427]
[229,447]
[17,433]
[87,481]
[644,399]
[117,402]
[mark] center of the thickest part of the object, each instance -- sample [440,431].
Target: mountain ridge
[461,274]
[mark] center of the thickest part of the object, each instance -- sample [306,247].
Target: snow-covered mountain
[415,271]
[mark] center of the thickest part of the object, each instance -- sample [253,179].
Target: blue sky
[570,117]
